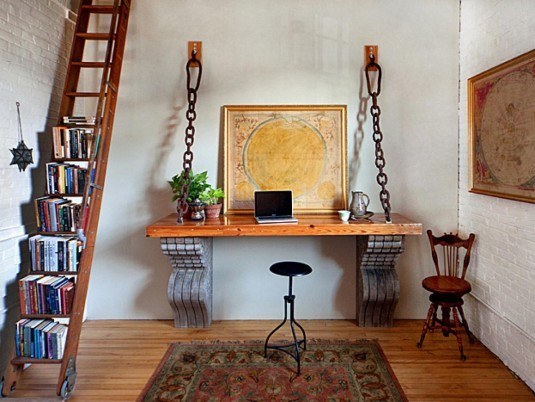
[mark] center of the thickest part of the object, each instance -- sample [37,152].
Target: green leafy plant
[212,195]
[197,185]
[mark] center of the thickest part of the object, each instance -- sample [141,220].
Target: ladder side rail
[98,115]
[73,334]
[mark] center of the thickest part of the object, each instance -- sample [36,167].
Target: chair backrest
[451,245]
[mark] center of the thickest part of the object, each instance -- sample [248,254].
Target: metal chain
[191,115]
[380,162]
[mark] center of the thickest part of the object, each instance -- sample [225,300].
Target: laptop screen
[273,203]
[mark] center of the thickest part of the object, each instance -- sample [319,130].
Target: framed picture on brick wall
[501,110]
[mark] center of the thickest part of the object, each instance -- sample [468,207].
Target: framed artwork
[298,148]
[501,110]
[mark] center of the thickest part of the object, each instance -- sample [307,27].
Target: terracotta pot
[212,211]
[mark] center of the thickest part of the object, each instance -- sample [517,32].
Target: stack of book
[82,120]
[46,294]
[72,143]
[64,178]
[40,339]
[54,253]
[56,214]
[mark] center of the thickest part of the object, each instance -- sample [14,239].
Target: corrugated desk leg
[190,286]
[377,280]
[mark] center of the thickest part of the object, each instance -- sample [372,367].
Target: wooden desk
[189,248]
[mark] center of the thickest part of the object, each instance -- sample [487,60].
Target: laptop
[273,206]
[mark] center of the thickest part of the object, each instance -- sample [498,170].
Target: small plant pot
[212,211]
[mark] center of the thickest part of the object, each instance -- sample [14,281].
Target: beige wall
[502,272]
[277,52]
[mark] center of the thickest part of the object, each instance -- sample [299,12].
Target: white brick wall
[502,309]
[34,36]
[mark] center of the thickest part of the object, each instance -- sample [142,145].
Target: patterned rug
[238,371]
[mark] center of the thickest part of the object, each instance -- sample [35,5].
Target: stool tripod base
[296,355]
[297,344]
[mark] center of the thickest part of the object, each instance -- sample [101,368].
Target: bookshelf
[53,294]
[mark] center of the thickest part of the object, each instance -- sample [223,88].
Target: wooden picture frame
[501,120]
[296,147]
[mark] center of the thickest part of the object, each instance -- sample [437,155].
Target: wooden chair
[448,287]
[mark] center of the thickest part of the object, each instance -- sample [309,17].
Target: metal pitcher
[359,203]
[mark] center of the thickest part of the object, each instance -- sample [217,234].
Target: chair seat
[449,286]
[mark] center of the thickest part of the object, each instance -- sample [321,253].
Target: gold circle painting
[285,153]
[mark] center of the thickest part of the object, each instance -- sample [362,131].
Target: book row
[40,339]
[72,143]
[56,214]
[64,178]
[46,294]
[54,253]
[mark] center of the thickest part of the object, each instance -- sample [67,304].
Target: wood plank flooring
[116,358]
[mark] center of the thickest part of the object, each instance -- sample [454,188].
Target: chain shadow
[359,134]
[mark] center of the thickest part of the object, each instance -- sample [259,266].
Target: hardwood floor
[116,358]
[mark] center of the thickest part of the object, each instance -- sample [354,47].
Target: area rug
[238,371]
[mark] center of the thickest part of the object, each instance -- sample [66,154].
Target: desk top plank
[307,225]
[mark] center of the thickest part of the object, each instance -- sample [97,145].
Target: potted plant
[197,185]
[211,196]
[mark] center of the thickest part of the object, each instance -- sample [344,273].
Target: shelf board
[71,159]
[39,316]
[56,233]
[64,195]
[18,361]
[53,273]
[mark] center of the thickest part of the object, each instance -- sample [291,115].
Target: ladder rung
[19,361]
[89,64]
[93,35]
[98,9]
[83,94]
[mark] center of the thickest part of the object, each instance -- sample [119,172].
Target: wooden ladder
[87,226]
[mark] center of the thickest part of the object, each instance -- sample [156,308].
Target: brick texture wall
[34,36]
[502,309]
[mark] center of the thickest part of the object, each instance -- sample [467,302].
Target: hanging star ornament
[22,156]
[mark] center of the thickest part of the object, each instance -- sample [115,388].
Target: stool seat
[290,268]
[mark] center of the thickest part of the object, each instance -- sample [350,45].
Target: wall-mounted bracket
[371,50]
[197,46]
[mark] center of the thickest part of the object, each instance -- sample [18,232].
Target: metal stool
[289,269]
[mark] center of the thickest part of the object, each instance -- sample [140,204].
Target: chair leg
[471,337]
[430,313]
[458,332]
[434,319]
[446,322]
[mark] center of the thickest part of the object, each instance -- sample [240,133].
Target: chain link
[380,162]
[191,115]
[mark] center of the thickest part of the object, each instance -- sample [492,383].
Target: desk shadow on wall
[342,251]
[146,250]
